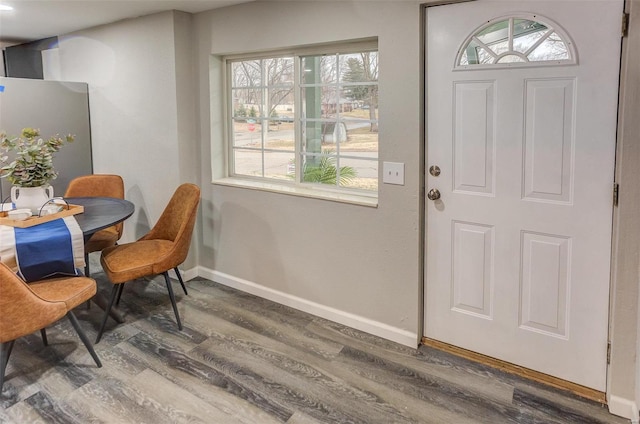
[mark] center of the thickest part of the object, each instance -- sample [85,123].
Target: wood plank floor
[243,359]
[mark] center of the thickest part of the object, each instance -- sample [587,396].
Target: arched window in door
[520,40]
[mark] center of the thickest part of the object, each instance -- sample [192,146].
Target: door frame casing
[623,377]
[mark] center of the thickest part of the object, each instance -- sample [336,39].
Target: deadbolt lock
[434,170]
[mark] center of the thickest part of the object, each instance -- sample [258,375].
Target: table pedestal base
[114,313]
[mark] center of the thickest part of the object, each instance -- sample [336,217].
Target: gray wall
[351,263]
[137,121]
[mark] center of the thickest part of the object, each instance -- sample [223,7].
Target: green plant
[326,172]
[33,163]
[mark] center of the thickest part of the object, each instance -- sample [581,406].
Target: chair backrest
[176,224]
[98,185]
[21,311]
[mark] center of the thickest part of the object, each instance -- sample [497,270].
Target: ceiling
[37,19]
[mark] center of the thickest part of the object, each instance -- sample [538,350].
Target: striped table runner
[44,250]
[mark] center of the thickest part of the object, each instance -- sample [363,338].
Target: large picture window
[306,118]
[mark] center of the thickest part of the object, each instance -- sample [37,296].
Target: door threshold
[546,379]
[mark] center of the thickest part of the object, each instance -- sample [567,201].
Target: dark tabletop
[100,212]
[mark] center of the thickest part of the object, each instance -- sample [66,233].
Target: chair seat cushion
[101,240]
[129,261]
[71,290]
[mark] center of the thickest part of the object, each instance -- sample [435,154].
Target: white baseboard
[187,275]
[624,408]
[376,328]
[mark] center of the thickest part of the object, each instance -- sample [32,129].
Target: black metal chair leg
[83,337]
[5,352]
[173,299]
[120,290]
[43,333]
[114,291]
[180,279]
[87,272]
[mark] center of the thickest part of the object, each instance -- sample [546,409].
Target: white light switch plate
[393,173]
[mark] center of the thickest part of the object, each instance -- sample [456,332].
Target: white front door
[519,243]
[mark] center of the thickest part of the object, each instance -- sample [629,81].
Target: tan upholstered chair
[165,247]
[25,308]
[98,185]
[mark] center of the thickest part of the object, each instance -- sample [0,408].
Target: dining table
[100,213]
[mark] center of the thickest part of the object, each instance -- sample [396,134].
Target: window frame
[296,186]
[536,18]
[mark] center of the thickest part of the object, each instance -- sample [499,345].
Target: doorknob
[434,194]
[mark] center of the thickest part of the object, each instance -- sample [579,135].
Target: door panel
[474,137]
[549,111]
[518,245]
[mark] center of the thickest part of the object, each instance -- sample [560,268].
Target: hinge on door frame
[625,25]
[608,353]
[616,192]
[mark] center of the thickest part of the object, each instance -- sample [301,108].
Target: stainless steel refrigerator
[54,107]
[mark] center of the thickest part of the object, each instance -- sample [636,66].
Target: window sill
[274,187]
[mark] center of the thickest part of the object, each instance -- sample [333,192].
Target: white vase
[33,198]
